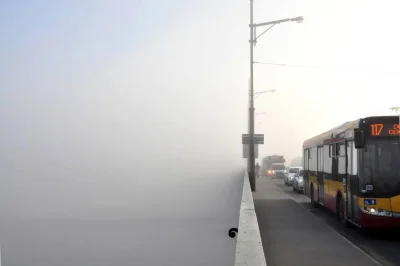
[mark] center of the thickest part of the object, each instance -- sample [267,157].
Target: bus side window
[350,153]
[354,159]
[306,159]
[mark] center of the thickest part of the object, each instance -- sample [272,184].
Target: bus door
[320,174]
[350,176]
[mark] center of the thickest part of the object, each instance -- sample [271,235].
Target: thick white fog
[111,158]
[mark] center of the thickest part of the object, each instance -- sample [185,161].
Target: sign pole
[252,174]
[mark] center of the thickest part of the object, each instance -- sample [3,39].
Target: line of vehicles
[274,166]
[354,171]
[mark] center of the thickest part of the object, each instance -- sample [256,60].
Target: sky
[97,90]
[198,50]
[355,50]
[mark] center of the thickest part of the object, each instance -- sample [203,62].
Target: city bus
[354,171]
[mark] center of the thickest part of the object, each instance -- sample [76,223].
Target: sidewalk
[293,236]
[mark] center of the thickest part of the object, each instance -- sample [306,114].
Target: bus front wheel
[340,205]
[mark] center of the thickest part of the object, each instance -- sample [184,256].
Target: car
[298,181]
[278,170]
[289,178]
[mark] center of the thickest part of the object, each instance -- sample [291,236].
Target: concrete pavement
[291,235]
[249,250]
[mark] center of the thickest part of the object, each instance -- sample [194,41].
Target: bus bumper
[373,221]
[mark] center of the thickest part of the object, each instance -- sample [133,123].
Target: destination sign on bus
[385,130]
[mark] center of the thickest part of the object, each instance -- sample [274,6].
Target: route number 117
[376,129]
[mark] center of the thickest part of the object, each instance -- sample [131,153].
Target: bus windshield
[382,165]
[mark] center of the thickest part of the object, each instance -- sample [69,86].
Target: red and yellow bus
[354,170]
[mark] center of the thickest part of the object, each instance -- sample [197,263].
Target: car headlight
[375,211]
[301,180]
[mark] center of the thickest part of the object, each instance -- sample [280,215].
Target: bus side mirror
[359,140]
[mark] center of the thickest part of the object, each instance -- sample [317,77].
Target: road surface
[293,233]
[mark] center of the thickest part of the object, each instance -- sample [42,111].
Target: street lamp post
[258,93]
[397,110]
[253,40]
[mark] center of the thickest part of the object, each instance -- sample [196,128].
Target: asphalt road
[293,233]
[384,246]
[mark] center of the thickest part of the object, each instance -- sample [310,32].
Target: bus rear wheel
[313,204]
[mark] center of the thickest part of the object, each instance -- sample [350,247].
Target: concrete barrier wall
[249,248]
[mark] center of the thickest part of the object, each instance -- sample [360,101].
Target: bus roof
[343,131]
[333,133]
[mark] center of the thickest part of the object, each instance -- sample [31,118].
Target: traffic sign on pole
[246,151]
[258,139]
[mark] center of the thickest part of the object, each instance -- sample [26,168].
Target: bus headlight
[375,211]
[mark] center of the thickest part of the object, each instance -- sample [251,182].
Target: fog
[121,122]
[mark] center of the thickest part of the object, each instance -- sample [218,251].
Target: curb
[249,248]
